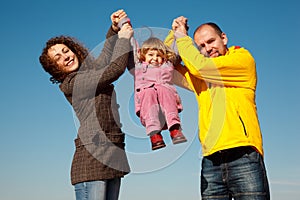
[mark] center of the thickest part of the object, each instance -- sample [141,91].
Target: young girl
[157,102]
[100,160]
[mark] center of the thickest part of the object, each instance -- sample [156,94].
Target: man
[224,82]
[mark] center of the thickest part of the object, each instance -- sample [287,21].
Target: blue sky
[38,127]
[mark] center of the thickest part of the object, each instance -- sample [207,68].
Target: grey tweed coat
[100,143]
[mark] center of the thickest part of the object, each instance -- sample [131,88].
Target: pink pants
[158,107]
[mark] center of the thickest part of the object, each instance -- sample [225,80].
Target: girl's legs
[169,106]
[150,117]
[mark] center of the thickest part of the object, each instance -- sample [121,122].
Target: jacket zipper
[245,132]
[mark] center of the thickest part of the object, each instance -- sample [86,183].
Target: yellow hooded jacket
[225,91]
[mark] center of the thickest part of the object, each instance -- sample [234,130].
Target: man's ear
[224,38]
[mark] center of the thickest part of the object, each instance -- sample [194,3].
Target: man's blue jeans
[98,190]
[237,173]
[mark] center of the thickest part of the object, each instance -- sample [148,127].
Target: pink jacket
[147,76]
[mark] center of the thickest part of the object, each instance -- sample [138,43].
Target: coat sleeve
[105,56]
[169,39]
[179,70]
[87,83]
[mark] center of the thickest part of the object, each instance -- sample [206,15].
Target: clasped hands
[126,30]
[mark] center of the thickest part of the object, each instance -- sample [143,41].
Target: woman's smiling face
[64,58]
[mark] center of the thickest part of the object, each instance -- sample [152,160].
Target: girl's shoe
[157,141]
[177,136]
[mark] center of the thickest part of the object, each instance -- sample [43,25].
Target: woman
[99,161]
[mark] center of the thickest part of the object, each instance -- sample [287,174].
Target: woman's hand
[116,17]
[126,31]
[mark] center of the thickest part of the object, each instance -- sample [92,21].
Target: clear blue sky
[37,125]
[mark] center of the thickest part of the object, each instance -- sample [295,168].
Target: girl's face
[64,58]
[154,58]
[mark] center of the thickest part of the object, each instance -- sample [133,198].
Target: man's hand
[180,26]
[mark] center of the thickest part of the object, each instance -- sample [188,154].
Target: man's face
[210,43]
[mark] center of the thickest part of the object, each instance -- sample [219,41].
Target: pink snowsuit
[157,102]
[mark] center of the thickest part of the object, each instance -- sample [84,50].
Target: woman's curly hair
[51,67]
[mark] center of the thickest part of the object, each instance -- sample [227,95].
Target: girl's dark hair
[51,67]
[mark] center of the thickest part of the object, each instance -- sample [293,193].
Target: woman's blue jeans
[98,190]
[237,173]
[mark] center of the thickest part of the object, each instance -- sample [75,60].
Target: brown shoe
[157,141]
[177,136]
